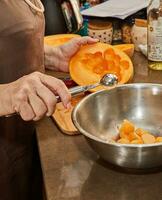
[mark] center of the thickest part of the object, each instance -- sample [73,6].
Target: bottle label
[155,39]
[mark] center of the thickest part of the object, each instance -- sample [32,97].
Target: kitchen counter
[72,171]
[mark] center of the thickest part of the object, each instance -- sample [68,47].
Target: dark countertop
[72,171]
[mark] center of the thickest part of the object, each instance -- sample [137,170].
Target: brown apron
[21,52]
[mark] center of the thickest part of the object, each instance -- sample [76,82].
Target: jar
[139,33]
[101,30]
[126,33]
[94,2]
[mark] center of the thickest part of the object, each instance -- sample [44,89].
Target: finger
[38,106]
[58,87]
[84,40]
[26,112]
[47,97]
[88,40]
[75,43]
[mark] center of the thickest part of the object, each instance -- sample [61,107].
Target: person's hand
[33,96]
[58,58]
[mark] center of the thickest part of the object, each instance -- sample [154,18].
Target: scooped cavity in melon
[91,62]
[105,62]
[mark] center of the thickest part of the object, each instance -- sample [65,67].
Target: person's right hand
[33,96]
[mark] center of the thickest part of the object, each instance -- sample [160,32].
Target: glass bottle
[154,14]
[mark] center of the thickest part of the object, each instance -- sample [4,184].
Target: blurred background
[65,16]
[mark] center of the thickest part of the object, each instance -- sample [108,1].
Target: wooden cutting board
[62,117]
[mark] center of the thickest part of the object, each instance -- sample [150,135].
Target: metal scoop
[107,80]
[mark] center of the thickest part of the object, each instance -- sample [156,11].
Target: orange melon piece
[128,134]
[137,141]
[148,139]
[159,139]
[140,131]
[123,141]
[123,135]
[126,127]
[83,73]
[126,48]
[133,136]
[59,39]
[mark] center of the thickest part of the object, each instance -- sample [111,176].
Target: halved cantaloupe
[59,39]
[91,62]
[126,48]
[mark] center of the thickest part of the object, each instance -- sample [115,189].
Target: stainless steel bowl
[98,115]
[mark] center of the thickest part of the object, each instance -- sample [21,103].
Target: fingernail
[48,114]
[68,106]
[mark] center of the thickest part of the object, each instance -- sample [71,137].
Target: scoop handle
[74,91]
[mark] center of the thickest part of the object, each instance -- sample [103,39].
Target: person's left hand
[65,52]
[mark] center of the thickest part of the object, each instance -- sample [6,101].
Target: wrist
[53,58]
[5,100]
